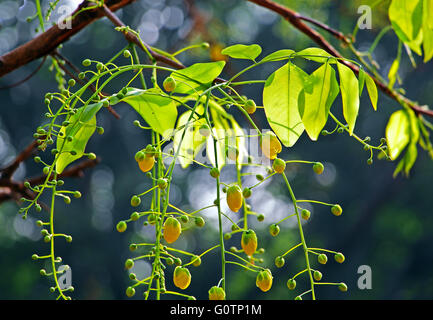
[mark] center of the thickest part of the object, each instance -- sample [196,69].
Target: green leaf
[361,80]
[278,55]
[317,54]
[280,102]
[197,77]
[315,106]
[350,95]
[239,137]
[428,30]
[406,19]
[221,131]
[155,107]
[81,128]
[241,51]
[192,140]
[428,13]
[392,74]
[407,162]
[372,90]
[397,133]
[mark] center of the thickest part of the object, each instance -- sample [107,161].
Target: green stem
[301,233]
[53,258]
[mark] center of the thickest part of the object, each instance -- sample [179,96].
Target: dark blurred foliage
[387,223]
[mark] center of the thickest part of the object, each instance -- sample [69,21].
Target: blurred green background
[387,223]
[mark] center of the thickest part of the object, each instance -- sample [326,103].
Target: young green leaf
[427,29]
[197,77]
[398,131]
[314,106]
[278,55]
[239,136]
[317,54]
[192,139]
[280,101]
[350,95]
[372,90]
[406,19]
[392,74]
[241,51]
[220,130]
[407,162]
[158,110]
[81,128]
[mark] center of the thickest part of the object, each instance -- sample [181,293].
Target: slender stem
[53,258]
[301,233]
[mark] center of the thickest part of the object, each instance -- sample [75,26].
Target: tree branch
[46,42]
[297,19]
[132,38]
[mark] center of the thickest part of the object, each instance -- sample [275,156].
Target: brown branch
[46,42]
[27,77]
[7,172]
[14,190]
[132,38]
[74,171]
[297,21]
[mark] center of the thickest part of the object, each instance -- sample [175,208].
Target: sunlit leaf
[240,140]
[278,55]
[397,133]
[197,77]
[81,128]
[221,131]
[372,90]
[280,102]
[428,29]
[406,19]
[192,139]
[392,74]
[241,51]
[153,105]
[350,95]
[317,54]
[314,106]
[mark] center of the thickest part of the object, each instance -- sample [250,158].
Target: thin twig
[297,21]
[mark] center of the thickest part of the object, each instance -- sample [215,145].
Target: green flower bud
[199,222]
[342,286]
[318,167]
[322,258]
[274,230]
[246,193]
[291,284]
[339,257]
[121,226]
[214,173]
[129,263]
[336,210]
[135,216]
[135,201]
[130,292]
[279,261]
[305,214]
